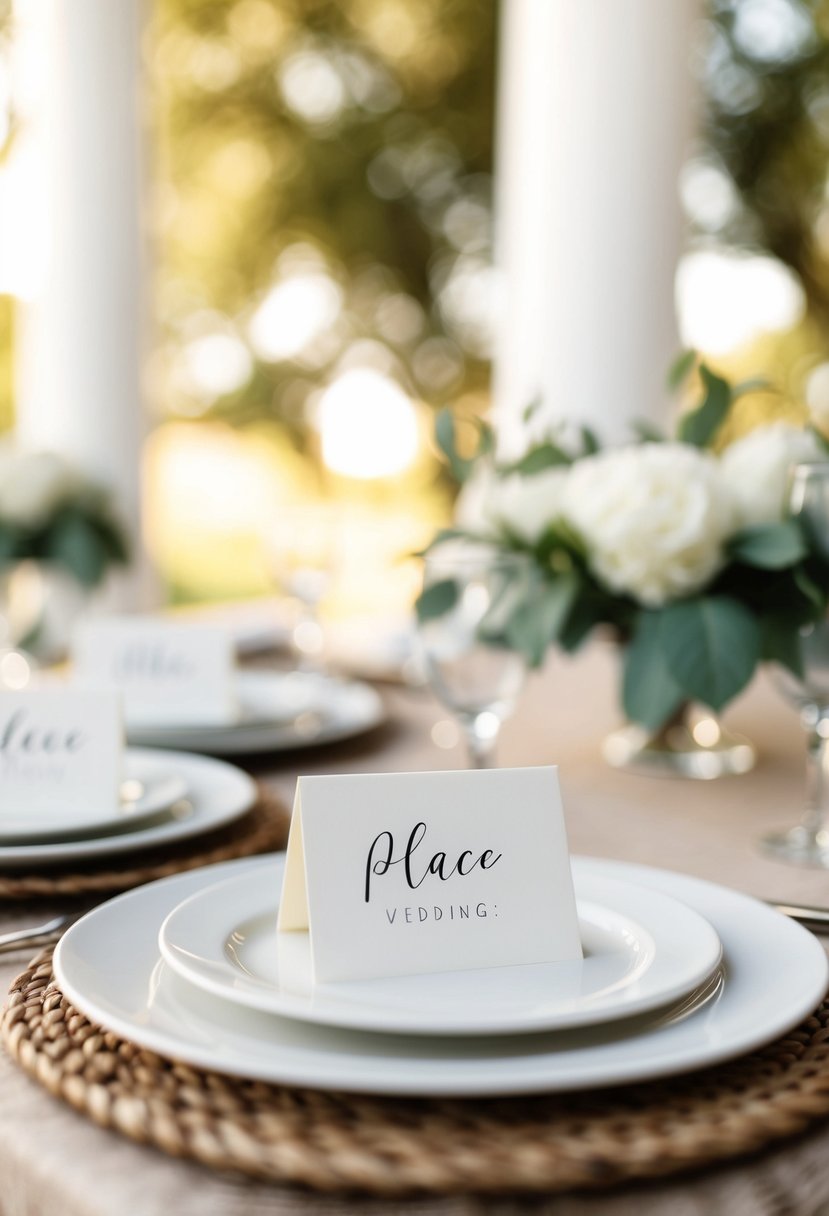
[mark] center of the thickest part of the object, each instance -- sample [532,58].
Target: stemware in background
[468,666]
[301,548]
[17,666]
[808,841]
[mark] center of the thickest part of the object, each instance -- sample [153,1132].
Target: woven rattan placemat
[262,830]
[396,1147]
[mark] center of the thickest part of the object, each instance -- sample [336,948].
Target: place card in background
[168,673]
[407,873]
[60,751]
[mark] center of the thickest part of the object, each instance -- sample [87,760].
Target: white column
[81,332]
[595,111]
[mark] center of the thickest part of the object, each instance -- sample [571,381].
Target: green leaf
[646,432]
[486,438]
[808,588]
[649,692]
[446,440]
[10,542]
[589,441]
[559,539]
[537,621]
[531,409]
[756,384]
[769,546]
[711,647]
[780,643]
[437,599]
[547,455]
[681,368]
[700,426]
[77,545]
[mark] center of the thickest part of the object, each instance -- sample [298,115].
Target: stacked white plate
[166,797]
[278,711]
[678,974]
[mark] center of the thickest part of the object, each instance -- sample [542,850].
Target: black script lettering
[380,864]
[415,837]
[375,868]
[19,735]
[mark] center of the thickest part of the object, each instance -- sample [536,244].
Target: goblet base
[694,746]
[800,846]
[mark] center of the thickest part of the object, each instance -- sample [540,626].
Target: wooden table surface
[55,1163]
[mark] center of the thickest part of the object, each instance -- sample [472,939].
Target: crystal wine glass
[302,547]
[808,842]
[469,667]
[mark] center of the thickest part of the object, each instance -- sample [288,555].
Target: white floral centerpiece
[682,547]
[50,512]
[58,519]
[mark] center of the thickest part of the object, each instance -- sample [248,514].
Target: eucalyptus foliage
[705,647]
[79,533]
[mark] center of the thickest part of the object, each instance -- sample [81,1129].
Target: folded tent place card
[60,751]
[169,673]
[407,873]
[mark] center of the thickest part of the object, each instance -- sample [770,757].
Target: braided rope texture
[334,1142]
[262,830]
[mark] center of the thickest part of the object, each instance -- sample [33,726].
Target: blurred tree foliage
[766,79]
[342,149]
[324,194]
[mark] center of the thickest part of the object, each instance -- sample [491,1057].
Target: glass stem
[480,742]
[308,639]
[816,721]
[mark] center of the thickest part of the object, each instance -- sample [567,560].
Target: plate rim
[242,738]
[51,829]
[12,857]
[697,1048]
[363,1020]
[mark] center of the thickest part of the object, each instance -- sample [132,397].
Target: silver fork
[42,935]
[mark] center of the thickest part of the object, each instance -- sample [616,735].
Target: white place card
[169,673]
[60,751]
[407,873]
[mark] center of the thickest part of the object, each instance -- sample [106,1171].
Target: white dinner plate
[217,793]
[280,711]
[158,787]
[108,965]
[642,949]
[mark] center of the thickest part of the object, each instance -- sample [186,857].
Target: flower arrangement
[681,546]
[50,513]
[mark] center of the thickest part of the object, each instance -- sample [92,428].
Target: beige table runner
[51,1161]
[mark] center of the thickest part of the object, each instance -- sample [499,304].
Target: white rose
[755,470]
[31,486]
[653,518]
[524,505]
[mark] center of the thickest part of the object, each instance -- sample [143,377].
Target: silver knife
[816,919]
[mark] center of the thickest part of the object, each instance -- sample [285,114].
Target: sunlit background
[322,237]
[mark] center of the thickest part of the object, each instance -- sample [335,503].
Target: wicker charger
[395,1147]
[261,830]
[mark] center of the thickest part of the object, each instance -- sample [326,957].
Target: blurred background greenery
[321,216]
